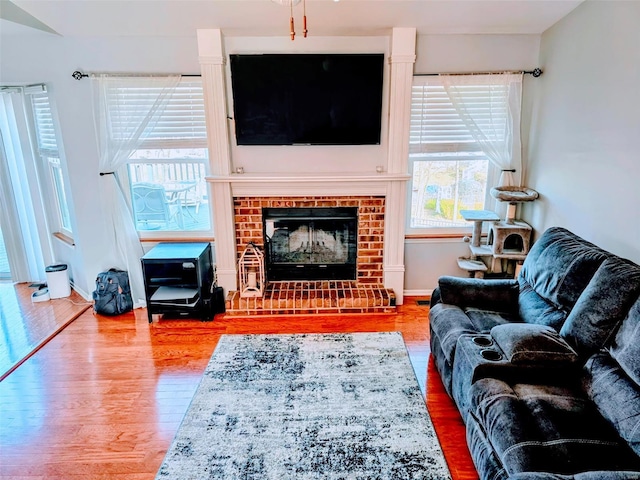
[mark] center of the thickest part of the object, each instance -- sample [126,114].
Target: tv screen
[307,99]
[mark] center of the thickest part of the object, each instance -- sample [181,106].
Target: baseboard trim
[418,293]
[87,296]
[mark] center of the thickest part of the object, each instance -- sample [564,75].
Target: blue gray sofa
[545,369]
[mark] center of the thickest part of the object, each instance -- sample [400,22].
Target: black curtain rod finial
[78,75]
[536,72]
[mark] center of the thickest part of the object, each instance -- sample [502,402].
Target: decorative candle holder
[251,272]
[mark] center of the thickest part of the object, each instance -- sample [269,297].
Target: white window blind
[436,126]
[48,150]
[181,124]
[43,121]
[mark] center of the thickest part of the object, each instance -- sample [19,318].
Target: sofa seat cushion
[547,429]
[524,343]
[484,320]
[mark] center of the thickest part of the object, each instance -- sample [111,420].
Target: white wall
[583,156]
[52,59]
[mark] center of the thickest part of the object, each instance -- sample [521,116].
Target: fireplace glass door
[310,243]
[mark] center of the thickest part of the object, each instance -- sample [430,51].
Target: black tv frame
[307,99]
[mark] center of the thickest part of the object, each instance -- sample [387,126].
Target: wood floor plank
[104,398]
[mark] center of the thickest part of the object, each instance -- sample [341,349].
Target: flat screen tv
[307,99]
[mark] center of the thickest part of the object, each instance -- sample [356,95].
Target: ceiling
[265,18]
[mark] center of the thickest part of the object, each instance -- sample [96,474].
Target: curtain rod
[536,72]
[78,75]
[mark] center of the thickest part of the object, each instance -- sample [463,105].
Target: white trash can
[58,280]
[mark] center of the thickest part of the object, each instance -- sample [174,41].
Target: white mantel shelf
[309,184]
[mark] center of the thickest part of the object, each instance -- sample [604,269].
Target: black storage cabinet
[184,267]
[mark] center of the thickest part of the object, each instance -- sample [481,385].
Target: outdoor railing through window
[184,195]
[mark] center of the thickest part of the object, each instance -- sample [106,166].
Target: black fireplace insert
[310,243]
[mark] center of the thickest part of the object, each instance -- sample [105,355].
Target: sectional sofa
[545,368]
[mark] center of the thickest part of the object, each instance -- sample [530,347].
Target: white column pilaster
[403,49]
[212,61]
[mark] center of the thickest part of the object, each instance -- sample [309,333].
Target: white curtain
[125,112]
[490,106]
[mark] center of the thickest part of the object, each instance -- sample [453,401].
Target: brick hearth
[320,297]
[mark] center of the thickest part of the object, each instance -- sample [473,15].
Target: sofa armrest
[435,297]
[531,344]
[492,295]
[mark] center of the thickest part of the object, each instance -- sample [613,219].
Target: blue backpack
[112,295]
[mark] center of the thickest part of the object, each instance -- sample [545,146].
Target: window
[456,138]
[167,172]
[47,150]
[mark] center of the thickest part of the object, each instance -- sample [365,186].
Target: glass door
[5,271]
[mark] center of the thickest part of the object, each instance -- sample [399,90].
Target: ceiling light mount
[291,4]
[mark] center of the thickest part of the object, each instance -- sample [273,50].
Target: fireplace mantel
[309,184]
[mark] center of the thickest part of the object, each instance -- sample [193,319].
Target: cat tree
[508,241]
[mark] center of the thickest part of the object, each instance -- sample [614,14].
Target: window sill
[64,238]
[435,235]
[177,239]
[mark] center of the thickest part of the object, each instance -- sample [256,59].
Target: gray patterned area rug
[313,406]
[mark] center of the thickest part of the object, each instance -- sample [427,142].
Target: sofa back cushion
[599,311]
[557,270]
[532,308]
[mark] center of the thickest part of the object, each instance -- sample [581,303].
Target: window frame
[46,145]
[193,140]
[422,151]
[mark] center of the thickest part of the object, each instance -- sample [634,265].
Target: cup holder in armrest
[491,355]
[482,341]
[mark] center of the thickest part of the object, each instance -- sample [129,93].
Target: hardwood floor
[104,398]
[26,326]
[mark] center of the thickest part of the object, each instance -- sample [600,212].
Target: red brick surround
[248,221]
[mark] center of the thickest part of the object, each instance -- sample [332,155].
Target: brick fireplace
[238,201]
[370,236]
[365,294]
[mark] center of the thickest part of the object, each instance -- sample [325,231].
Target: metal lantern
[251,271]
